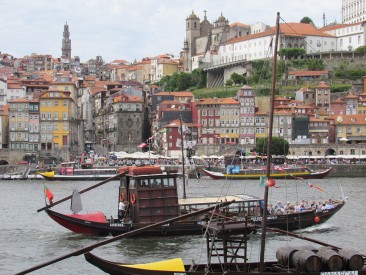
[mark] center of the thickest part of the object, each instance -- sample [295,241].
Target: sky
[134,29]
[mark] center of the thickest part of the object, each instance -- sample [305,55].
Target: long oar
[83,191]
[128,234]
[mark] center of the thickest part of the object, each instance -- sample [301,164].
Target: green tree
[290,53]
[237,78]
[229,82]
[279,146]
[361,49]
[199,78]
[315,65]
[184,81]
[306,20]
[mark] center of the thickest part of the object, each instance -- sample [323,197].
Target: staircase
[219,81]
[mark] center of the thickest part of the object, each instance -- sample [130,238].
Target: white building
[349,36]
[353,11]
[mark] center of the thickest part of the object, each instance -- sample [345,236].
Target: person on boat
[279,208]
[319,207]
[287,207]
[121,210]
[329,205]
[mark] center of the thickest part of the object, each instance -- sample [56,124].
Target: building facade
[353,11]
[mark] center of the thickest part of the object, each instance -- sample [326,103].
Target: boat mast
[269,145]
[182,147]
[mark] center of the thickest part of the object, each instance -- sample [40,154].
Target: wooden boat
[310,264]
[70,173]
[276,173]
[151,196]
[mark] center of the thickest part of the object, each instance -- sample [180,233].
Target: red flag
[142,145]
[317,187]
[271,182]
[48,194]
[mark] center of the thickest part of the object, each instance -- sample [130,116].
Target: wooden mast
[182,147]
[269,145]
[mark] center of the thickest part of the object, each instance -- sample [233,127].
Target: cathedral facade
[203,37]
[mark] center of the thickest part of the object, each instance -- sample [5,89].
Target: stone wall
[295,149]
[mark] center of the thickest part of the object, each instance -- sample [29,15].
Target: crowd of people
[302,206]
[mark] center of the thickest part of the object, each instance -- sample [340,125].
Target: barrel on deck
[330,259]
[307,261]
[352,260]
[284,255]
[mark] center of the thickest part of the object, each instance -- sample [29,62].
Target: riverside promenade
[339,170]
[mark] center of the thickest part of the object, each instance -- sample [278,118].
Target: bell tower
[193,30]
[66,43]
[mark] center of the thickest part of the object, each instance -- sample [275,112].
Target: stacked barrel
[310,259]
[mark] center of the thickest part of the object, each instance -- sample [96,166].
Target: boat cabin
[149,194]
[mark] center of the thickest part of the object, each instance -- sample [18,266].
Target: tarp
[167,265]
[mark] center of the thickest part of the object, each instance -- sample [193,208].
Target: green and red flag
[48,194]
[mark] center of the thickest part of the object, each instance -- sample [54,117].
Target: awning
[357,138]
[318,131]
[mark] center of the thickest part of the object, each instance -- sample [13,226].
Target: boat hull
[301,220]
[215,269]
[277,175]
[115,228]
[77,177]
[89,226]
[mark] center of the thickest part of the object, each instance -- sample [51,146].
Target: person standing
[121,210]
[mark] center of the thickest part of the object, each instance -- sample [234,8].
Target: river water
[29,238]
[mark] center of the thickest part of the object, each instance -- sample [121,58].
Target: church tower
[193,30]
[66,43]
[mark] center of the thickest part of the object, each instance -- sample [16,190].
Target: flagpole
[182,146]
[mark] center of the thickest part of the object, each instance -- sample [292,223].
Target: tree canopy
[279,146]
[306,20]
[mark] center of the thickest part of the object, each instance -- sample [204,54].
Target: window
[55,102]
[64,103]
[64,116]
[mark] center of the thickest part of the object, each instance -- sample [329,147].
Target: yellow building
[351,128]
[57,122]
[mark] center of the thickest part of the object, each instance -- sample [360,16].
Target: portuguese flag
[48,194]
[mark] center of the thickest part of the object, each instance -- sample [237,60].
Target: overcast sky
[133,29]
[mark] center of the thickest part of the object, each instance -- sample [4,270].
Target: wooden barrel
[352,260]
[284,255]
[306,261]
[308,247]
[331,261]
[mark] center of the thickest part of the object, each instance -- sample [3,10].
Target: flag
[178,143]
[262,181]
[48,194]
[142,145]
[316,187]
[185,129]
